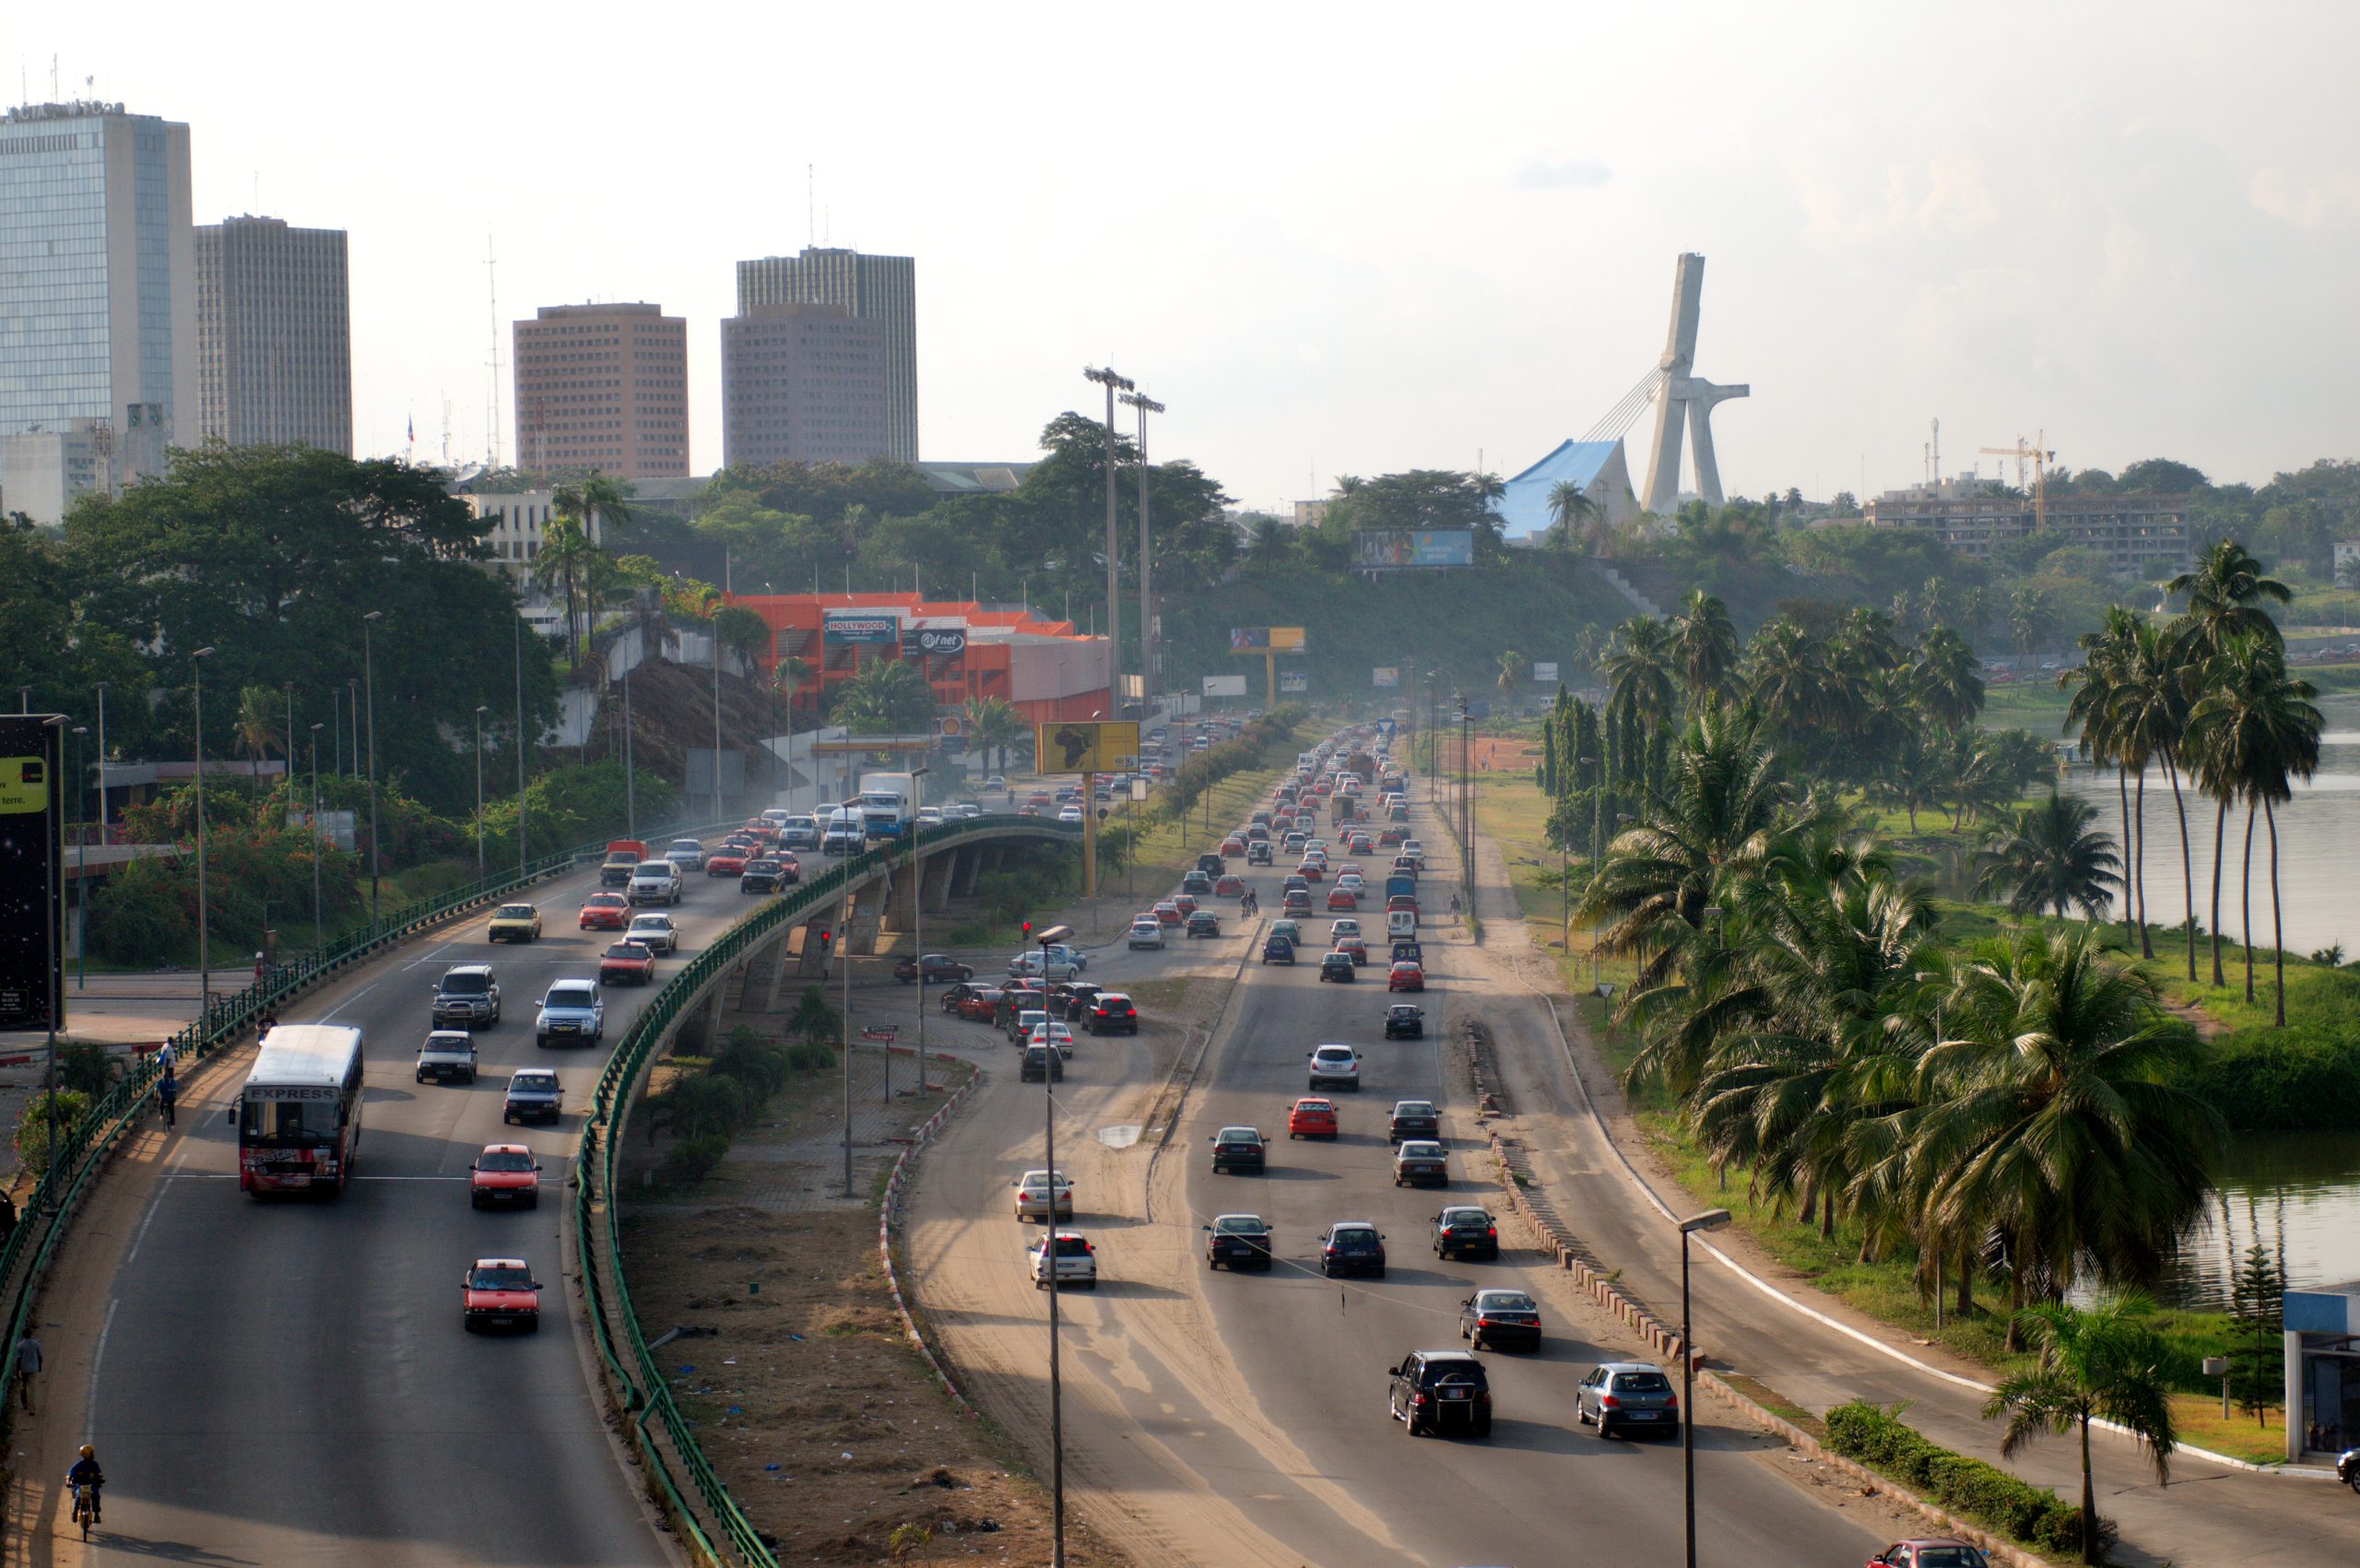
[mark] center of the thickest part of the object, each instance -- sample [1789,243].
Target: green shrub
[88,1067]
[810,1057]
[2305,1075]
[1989,1496]
[692,1159]
[32,1128]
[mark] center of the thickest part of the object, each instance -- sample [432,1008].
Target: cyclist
[85,1473]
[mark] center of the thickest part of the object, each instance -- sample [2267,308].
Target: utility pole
[204,956]
[1113,383]
[518,638]
[481,709]
[369,671]
[1146,405]
[319,928]
[917,928]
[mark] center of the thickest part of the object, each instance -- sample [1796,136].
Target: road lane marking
[98,1355]
[349,1000]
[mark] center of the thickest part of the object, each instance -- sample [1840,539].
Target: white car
[1147,931]
[1033,1196]
[1351,882]
[1339,929]
[1053,963]
[1051,1032]
[1076,1261]
[655,881]
[654,932]
[685,855]
[1334,1066]
[930,816]
[1413,849]
[1069,814]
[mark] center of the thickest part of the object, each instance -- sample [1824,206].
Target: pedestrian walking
[1453,906]
[27,1367]
[168,1094]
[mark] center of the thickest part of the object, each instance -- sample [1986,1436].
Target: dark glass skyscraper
[880,289]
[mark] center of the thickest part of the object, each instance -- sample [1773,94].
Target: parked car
[504,1174]
[1239,1148]
[1352,1246]
[1412,1118]
[1337,966]
[1440,1392]
[1464,1230]
[1242,1241]
[1062,1259]
[934,969]
[1312,1117]
[499,1292]
[514,922]
[1627,1395]
[1334,1065]
[1937,1552]
[1420,1161]
[1033,1196]
[1112,1012]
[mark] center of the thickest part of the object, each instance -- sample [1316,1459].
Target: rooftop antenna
[492,385]
[811,205]
[54,92]
[1936,449]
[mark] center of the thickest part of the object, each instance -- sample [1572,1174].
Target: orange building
[1042,667]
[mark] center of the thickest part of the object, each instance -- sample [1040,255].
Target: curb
[890,1209]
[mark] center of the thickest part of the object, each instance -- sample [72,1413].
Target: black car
[1336,966]
[1490,1319]
[1466,1231]
[955,994]
[1199,883]
[1242,1241]
[761,876]
[1413,1118]
[1207,866]
[1203,923]
[1072,1001]
[1239,1148]
[1352,1246]
[1111,1013]
[1405,1021]
[1041,1061]
[935,968]
[1278,950]
[1440,1392]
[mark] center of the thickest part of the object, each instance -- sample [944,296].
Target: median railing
[645,1393]
[78,1152]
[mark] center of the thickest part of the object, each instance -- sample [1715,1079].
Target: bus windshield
[286,1124]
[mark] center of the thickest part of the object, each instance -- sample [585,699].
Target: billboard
[32,962]
[1545,672]
[1224,686]
[1388,549]
[929,642]
[337,827]
[1087,746]
[1266,638]
[1386,676]
[838,628]
[1295,680]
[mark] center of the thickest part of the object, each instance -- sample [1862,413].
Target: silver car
[1627,1397]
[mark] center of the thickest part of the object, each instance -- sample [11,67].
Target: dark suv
[1041,1061]
[1239,1148]
[1465,1233]
[1352,1246]
[1413,1118]
[1242,1241]
[1439,1392]
[1113,1013]
[466,997]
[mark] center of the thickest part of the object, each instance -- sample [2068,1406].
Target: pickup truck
[448,1056]
[571,1012]
[532,1096]
[623,856]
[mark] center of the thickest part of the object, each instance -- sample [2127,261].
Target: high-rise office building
[803,383]
[98,295]
[274,336]
[879,289]
[604,387]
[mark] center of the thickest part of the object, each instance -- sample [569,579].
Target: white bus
[299,1117]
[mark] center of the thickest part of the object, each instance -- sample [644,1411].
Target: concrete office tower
[603,387]
[274,336]
[803,383]
[1681,397]
[878,288]
[98,292]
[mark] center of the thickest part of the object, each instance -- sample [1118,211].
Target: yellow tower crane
[2035,452]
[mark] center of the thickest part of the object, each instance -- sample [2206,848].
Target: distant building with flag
[1597,467]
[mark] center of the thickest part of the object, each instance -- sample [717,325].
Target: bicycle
[84,1508]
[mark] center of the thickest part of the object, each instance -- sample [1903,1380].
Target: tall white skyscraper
[880,289]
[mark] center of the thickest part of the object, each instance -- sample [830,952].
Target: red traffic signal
[825,936]
[1028,930]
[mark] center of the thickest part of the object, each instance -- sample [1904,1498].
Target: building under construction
[2141,536]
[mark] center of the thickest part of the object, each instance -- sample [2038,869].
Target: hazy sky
[1341,238]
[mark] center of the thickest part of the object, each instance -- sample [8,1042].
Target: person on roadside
[84,1473]
[27,1367]
[264,1024]
[1453,906]
[167,1057]
[168,1094]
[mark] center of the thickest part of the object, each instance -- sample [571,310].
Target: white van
[1401,925]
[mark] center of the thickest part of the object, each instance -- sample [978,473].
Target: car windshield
[514,912]
[505,1160]
[608,900]
[1642,1383]
[1354,1238]
[1414,1108]
[632,951]
[500,1277]
[652,923]
[466,984]
[1240,1135]
[1240,1225]
[1418,1149]
[1504,1301]
[571,995]
[535,1083]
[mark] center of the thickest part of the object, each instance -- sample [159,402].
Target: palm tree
[2256,730]
[2105,654]
[2226,593]
[1272,542]
[1569,508]
[1788,679]
[2051,857]
[813,1020]
[1703,647]
[1512,667]
[2091,1363]
[995,725]
[567,538]
[2149,717]
[1641,687]
[887,697]
[255,732]
[2029,618]
[1943,679]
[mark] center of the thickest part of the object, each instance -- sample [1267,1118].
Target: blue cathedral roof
[1524,508]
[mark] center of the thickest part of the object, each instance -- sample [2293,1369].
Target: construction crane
[2036,452]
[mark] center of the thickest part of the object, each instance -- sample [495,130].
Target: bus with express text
[299,1117]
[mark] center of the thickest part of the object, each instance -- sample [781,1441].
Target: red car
[1402,900]
[626,963]
[499,1292]
[1229,886]
[606,911]
[1232,846]
[1406,976]
[1312,871]
[1185,904]
[980,1006]
[1312,1119]
[1342,899]
[504,1172]
[1354,948]
[1393,837]
[726,861]
[1167,912]
[1938,1551]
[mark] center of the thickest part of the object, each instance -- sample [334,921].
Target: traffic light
[1028,930]
[825,937]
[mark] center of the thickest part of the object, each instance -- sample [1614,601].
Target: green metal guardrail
[80,1150]
[647,1395]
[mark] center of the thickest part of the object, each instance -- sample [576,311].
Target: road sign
[1224,686]
[1087,746]
[888,1032]
[1545,672]
[1266,638]
[1385,675]
[1295,680]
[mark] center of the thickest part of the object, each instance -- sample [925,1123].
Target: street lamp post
[319,926]
[1146,405]
[630,792]
[204,955]
[369,671]
[481,709]
[518,638]
[52,918]
[102,764]
[1113,383]
[1711,1219]
[917,928]
[1057,1393]
[81,861]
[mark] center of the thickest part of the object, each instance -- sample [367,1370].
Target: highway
[1233,1419]
[289,1383]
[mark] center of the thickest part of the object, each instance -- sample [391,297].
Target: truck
[623,856]
[888,804]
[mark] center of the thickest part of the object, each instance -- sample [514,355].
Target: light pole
[1597,855]
[1113,383]
[352,712]
[630,794]
[103,763]
[480,712]
[1711,1219]
[917,928]
[518,636]
[335,721]
[81,861]
[1146,405]
[843,1024]
[204,954]
[319,926]
[717,724]
[1057,1392]
[53,918]
[369,671]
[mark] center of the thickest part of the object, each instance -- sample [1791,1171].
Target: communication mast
[492,385]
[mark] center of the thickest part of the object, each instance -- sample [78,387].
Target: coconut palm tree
[1512,667]
[2105,654]
[887,697]
[256,730]
[2050,857]
[2256,730]
[2101,1362]
[994,725]
[2148,718]
[1788,679]
[1704,649]
[1640,682]
[2030,618]
[568,551]
[1944,681]
[1570,508]
[2226,595]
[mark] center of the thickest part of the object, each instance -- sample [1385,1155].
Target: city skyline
[2133,280]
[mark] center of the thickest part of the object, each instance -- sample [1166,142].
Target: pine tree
[2257,1366]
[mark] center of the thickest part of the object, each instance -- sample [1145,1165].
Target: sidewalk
[1811,1349]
